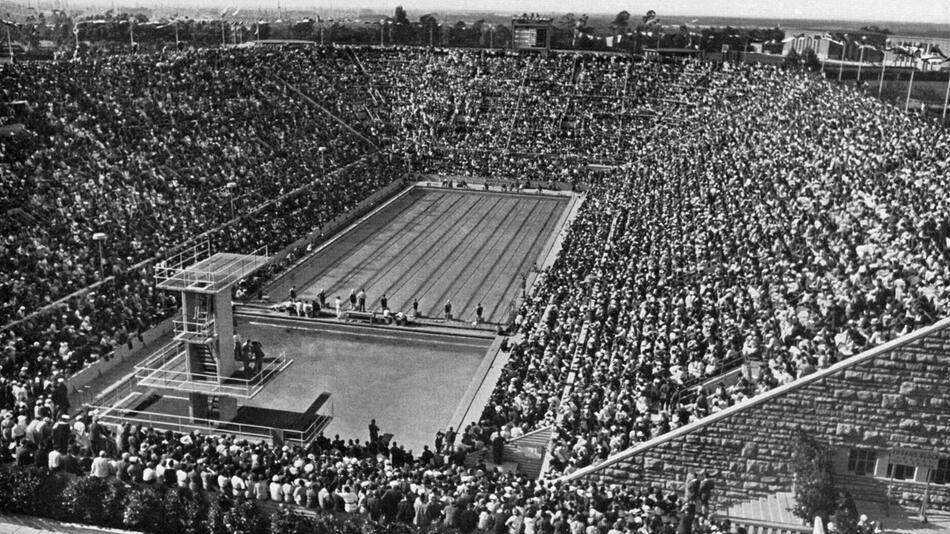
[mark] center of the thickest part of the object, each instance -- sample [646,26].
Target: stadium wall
[102,366]
[883,405]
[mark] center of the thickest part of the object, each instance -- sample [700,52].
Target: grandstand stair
[524,454]
[528,451]
[776,508]
[214,407]
[326,111]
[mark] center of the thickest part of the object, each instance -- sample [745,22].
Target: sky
[936,11]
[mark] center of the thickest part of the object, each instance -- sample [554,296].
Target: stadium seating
[744,216]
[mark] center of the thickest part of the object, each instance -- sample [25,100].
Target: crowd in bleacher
[372,479]
[787,228]
[744,217]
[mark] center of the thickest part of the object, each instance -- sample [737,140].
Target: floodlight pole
[841,61]
[880,84]
[946,97]
[860,64]
[99,237]
[910,87]
[231,186]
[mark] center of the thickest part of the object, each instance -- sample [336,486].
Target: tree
[793,58]
[876,29]
[429,27]
[263,31]
[810,58]
[302,29]
[244,518]
[284,521]
[399,16]
[621,20]
[815,492]
[143,509]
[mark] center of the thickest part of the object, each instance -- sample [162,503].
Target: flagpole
[946,97]
[860,64]
[910,86]
[177,44]
[10,45]
[841,61]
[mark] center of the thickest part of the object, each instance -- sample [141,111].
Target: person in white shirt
[515,521]
[55,462]
[101,466]
[288,490]
[276,493]
[238,487]
[224,482]
[148,474]
[323,496]
[350,500]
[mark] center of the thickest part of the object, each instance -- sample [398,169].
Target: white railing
[200,329]
[185,424]
[181,271]
[168,369]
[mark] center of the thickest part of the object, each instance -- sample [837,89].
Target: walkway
[24,524]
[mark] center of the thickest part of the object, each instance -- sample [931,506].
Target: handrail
[531,434]
[757,400]
[204,327]
[182,267]
[161,354]
[171,372]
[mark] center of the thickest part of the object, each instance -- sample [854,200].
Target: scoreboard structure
[531,33]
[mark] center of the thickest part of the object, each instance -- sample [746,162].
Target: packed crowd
[373,479]
[738,215]
[787,229]
[146,151]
